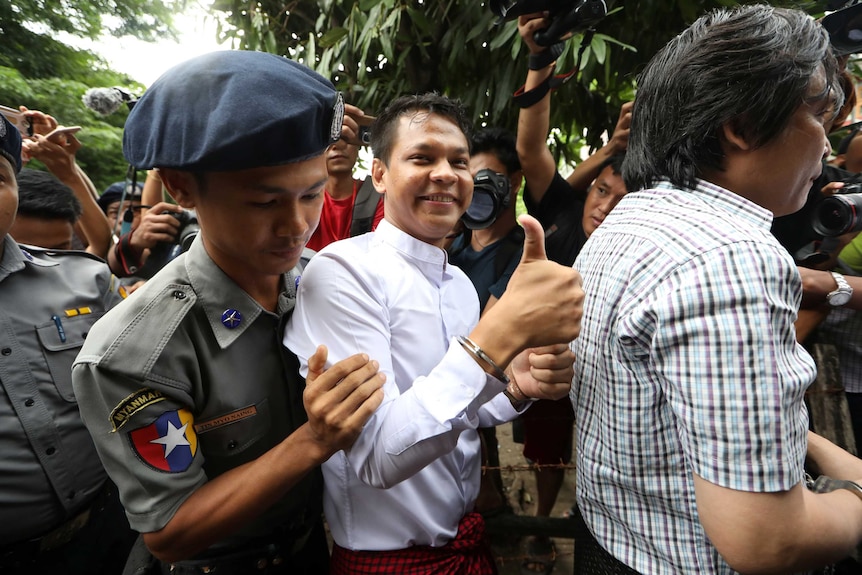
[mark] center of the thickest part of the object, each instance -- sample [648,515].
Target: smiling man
[195,408]
[401,498]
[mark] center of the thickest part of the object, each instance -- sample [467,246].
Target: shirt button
[29,402]
[50,451]
[6,351]
[180,294]
[232,444]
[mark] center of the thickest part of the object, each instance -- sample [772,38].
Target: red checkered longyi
[468,554]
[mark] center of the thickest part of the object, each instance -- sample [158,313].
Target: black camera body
[491,195]
[163,252]
[189,228]
[565,15]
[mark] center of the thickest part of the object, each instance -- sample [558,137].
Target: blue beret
[10,143]
[233,110]
[114,193]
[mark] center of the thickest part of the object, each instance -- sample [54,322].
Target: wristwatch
[841,295]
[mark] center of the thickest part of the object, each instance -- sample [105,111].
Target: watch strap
[843,292]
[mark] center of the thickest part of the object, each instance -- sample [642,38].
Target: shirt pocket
[233,438]
[61,340]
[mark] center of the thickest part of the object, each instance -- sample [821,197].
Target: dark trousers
[590,557]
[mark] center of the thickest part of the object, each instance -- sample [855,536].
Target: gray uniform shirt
[185,380]
[49,469]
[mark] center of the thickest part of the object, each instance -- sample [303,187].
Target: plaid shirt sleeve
[732,371]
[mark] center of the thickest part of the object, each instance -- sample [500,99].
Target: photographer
[156,232]
[555,201]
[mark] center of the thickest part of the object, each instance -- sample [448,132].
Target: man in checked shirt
[692,431]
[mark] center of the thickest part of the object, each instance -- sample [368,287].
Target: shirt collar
[728,201]
[431,260]
[220,296]
[16,257]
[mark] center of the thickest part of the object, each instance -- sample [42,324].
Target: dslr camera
[491,195]
[565,15]
[841,213]
[164,252]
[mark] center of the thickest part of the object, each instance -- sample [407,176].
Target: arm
[817,283]
[588,170]
[338,401]
[780,532]
[153,190]
[747,471]
[537,162]
[132,249]
[59,157]
[345,300]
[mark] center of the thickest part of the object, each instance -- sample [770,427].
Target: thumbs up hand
[543,300]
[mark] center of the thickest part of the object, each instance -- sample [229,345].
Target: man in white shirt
[401,498]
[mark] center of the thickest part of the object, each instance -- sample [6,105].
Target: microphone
[106,101]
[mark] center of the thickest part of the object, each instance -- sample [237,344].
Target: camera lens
[837,215]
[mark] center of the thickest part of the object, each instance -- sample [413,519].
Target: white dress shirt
[414,471]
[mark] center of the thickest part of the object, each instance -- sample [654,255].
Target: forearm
[225,504]
[780,532]
[537,162]
[588,170]
[826,458]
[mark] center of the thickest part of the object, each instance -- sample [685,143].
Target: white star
[173,438]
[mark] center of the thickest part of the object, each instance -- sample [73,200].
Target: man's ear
[378,169]
[733,138]
[179,185]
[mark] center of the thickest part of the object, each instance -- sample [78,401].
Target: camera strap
[524,99]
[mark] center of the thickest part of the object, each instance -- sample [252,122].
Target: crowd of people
[254,362]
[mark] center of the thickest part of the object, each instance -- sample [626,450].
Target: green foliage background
[43,73]
[373,50]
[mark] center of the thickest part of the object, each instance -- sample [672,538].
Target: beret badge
[337,118]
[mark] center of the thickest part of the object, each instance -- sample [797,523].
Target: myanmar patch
[169,443]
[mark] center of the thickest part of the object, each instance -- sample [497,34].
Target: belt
[255,555]
[28,550]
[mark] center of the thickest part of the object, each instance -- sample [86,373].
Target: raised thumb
[534,239]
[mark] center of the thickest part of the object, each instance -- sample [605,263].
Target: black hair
[615,162]
[384,128]
[41,195]
[749,67]
[499,142]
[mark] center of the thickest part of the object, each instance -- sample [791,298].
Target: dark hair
[41,195]
[385,126]
[499,142]
[615,162]
[749,67]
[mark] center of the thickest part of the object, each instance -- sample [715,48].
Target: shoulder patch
[168,444]
[132,404]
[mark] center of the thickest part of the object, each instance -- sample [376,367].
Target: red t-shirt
[336,217]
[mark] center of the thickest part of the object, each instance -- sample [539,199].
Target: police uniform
[57,511]
[185,381]
[188,378]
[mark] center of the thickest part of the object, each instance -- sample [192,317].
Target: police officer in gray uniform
[58,512]
[195,407]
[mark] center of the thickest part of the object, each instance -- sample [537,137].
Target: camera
[565,15]
[164,252]
[839,214]
[845,28]
[491,195]
[189,228]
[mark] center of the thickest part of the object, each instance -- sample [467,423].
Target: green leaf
[332,36]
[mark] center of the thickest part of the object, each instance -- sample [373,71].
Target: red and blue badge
[169,443]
